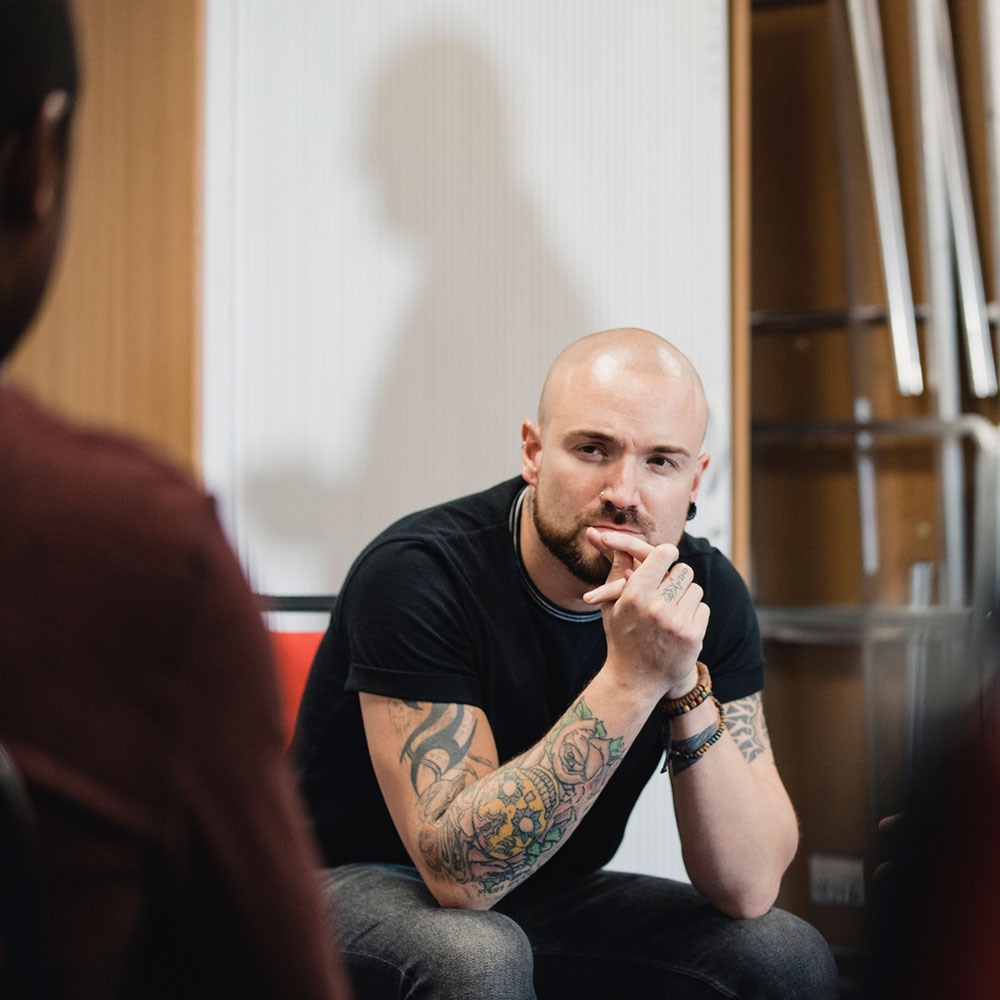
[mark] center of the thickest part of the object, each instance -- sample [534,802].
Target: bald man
[517,663]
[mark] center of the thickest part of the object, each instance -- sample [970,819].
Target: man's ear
[701,464]
[33,165]
[531,450]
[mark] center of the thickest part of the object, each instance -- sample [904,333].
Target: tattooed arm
[474,829]
[737,827]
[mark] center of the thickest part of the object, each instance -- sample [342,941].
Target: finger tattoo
[676,586]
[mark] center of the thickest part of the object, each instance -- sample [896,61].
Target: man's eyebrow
[592,435]
[670,449]
[656,449]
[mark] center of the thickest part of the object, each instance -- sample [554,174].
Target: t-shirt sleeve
[406,629]
[732,650]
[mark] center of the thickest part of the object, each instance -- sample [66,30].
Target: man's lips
[625,529]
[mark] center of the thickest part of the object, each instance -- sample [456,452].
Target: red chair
[294,652]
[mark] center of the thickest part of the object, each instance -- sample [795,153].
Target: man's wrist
[640,691]
[695,688]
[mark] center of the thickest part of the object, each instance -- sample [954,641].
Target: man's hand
[890,836]
[654,617]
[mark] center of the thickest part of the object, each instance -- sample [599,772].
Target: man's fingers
[632,556]
[596,538]
[654,571]
[677,583]
[608,542]
[690,599]
[700,620]
[606,591]
[621,569]
[887,823]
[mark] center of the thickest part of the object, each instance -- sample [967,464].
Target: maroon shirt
[138,698]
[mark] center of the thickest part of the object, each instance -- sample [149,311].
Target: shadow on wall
[492,308]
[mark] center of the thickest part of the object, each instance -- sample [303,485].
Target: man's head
[621,421]
[39,73]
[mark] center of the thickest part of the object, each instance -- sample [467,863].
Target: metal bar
[969,625]
[989,20]
[985,552]
[286,602]
[979,430]
[921,595]
[826,319]
[867,491]
[866,40]
[837,625]
[982,367]
[771,4]
[780,320]
[941,335]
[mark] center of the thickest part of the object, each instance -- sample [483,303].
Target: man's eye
[661,461]
[591,450]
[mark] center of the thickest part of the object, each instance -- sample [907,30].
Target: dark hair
[37,55]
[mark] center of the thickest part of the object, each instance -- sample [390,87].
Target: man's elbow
[449,892]
[743,900]
[756,890]
[452,896]
[747,905]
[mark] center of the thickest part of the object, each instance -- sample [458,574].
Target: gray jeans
[607,935]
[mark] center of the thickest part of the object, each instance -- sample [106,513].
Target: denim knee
[398,942]
[781,957]
[447,954]
[478,953]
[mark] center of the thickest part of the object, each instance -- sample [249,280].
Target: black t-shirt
[439,608]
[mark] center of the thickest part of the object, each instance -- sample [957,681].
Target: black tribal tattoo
[441,739]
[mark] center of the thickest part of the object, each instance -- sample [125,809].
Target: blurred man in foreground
[137,692]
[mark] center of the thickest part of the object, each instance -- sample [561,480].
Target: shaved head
[607,359]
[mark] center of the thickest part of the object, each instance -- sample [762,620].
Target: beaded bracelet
[701,691]
[694,754]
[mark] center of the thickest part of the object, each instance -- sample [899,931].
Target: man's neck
[553,580]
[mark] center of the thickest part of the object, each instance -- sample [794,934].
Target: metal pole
[866,41]
[982,368]
[941,328]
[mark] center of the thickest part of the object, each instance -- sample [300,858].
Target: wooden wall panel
[816,716]
[115,343]
[797,255]
[739,235]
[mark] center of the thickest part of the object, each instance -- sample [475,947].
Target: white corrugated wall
[410,208]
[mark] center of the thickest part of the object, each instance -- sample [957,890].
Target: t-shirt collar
[563,614]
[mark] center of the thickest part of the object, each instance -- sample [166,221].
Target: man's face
[620,452]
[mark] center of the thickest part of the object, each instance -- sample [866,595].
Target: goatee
[580,558]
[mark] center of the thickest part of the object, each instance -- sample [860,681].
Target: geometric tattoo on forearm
[491,830]
[745,721]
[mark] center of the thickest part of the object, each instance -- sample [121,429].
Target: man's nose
[622,486]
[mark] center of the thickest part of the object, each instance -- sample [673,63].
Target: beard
[572,550]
